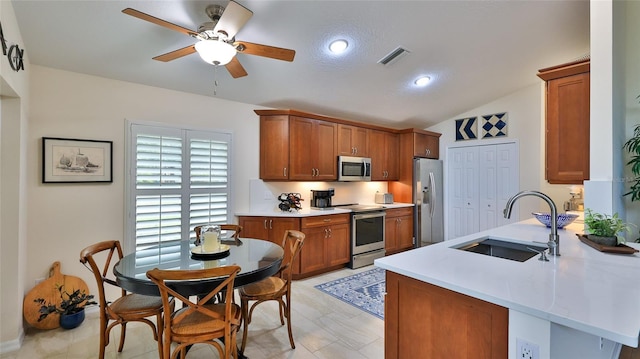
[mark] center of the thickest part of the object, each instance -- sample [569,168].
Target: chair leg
[287,311]
[244,304]
[280,309]
[103,335]
[159,331]
[123,333]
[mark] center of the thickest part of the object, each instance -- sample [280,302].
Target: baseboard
[12,345]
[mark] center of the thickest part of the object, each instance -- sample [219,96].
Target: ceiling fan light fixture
[215,52]
[338,46]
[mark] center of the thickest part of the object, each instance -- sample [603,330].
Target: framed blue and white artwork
[467,129]
[494,125]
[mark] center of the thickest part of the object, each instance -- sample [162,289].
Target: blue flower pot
[72,320]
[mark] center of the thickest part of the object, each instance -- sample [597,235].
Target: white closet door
[481,179]
[507,183]
[463,191]
[487,183]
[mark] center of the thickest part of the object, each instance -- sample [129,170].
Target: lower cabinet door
[426,321]
[313,255]
[338,245]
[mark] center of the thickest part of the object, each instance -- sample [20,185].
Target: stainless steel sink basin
[503,249]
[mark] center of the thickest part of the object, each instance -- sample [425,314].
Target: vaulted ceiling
[474,51]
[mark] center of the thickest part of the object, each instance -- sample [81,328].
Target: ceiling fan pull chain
[215,80]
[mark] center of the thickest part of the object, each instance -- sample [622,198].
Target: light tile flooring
[323,327]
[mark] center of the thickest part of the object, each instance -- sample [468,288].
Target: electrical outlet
[527,350]
[267,195]
[38,280]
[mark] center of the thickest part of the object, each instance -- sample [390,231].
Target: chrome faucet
[554,239]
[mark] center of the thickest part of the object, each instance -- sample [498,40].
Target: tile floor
[323,327]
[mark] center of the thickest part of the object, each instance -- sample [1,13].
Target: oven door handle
[369,215]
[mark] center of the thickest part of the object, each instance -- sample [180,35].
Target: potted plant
[71,309]
[604,229]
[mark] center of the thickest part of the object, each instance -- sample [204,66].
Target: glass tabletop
[257,259]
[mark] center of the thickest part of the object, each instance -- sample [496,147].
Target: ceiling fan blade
[272,52]
[233,19]
[157,21]
[176,54]
[235,68]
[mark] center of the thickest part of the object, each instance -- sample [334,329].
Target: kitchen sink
[503,249]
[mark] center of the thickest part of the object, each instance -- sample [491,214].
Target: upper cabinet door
[426,146]
[302,142]
[313,146]
[353,141]
[274,147]
[567,123]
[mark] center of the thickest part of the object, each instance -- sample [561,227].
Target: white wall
[13,127]
[632,107]
[526,124]
[64,218]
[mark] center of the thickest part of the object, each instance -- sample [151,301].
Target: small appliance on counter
[322,199]
[384,198]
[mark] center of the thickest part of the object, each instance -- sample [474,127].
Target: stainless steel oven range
[367,234]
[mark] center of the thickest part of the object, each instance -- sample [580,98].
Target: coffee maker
[321,199]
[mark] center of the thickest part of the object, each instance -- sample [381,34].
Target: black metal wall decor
[15,54]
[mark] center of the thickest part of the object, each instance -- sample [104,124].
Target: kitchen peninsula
[580,304]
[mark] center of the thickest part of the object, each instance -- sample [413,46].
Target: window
[177,179]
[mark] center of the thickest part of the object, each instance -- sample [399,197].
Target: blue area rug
[363,290]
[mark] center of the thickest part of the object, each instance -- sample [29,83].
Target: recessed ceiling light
[338,46]
[422,81]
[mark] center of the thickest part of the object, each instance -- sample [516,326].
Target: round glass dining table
[258,259]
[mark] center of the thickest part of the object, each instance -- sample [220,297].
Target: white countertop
[307,212]
[584,289]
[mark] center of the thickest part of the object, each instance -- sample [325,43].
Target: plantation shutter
[180,180]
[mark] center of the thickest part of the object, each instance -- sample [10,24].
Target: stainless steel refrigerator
[428,200]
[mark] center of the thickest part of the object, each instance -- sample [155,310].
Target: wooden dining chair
[200,321]
[129,307]
[234,228]
[277,287]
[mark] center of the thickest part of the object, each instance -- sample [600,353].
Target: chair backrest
[235,228]
[160,277]
[87,257]
[292,244]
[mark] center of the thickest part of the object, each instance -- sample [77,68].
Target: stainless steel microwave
[352,169]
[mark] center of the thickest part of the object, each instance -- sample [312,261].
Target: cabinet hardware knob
[271,224]
[284,171]
[265,224]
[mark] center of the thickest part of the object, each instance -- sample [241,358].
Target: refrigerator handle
[432,200]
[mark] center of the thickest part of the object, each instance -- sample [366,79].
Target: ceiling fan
[217,44]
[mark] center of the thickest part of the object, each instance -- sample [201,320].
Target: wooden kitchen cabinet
[426,145]
[413,143]
[567,122]
[425,321]
[327,243]
[274,147]
[398,233]
[353,141]
[312,149]
[268,228]
[384,149]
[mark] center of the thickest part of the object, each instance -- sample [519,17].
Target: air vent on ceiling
[393,56]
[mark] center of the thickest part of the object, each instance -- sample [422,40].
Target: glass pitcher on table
[210,238]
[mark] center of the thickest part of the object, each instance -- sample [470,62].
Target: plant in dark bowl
[605,229]
[72,303]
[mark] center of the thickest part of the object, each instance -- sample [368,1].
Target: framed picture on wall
[70,160]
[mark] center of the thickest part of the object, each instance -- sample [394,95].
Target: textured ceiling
[475,51]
